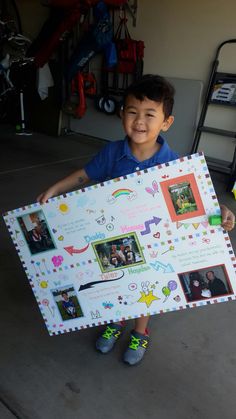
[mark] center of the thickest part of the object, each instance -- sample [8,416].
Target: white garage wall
[181,38]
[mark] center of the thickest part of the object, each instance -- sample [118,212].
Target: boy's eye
[150,115]
[131,112]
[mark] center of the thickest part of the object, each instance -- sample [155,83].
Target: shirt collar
[126,152]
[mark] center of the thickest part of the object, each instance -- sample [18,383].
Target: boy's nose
[139,119]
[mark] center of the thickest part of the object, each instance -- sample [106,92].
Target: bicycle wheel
[10,13]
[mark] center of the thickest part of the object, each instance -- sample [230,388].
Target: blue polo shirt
[116,159]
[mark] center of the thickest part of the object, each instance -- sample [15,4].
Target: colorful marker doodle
[101,220]
[154,220]
[147,298]
[44,284]
[71,250]
[154,188]
[21,243]
[107,305]
[57,260]
[45,265]
[166,291]
[121,192]
[171,286]
[91,284]
[90,211]
[46,303]
[126,300]
[16,234]
[38,264]
[110,227]
[63,208]
[132,196]
[169,250]
[95,315]
[153,254]
[159,266]
[132,286]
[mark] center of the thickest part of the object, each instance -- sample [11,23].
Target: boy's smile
[143,120]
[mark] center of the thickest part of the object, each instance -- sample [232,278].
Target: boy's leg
[139,340]
[141,324]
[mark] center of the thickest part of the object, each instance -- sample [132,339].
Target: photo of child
[182,198]
[36,232]
[67,303]
[118,252]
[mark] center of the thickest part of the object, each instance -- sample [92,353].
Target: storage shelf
[218,131]
[219,165]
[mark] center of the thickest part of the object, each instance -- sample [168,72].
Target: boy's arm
[76,179]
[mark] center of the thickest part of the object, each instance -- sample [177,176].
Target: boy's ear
[167,123]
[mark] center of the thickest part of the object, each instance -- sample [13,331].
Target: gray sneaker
[107,340]
[136,349]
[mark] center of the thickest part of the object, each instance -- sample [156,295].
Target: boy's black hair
[155,88]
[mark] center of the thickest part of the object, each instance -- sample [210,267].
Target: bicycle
[13,48]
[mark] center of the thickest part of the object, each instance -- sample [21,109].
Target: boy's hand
[76,179]
[228,218]
[44,196]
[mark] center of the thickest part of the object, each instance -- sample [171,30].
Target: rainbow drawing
[120,192]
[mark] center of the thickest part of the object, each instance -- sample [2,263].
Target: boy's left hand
[228,218]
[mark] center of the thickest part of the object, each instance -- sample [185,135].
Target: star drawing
[147,298]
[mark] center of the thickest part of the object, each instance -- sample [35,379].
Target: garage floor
[189,371]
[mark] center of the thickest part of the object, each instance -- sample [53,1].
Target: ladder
[221,90]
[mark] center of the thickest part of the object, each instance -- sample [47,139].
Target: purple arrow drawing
[147,230]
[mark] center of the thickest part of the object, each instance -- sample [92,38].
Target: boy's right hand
[44,196]
[76,179]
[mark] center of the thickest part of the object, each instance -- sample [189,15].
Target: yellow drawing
[63,208]
[43,284]
[147,298]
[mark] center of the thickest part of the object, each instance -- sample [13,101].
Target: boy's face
[143,120]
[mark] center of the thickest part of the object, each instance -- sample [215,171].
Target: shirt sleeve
[99,167]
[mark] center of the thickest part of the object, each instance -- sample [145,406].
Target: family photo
[118,252]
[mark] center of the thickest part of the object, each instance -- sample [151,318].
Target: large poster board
[133,246]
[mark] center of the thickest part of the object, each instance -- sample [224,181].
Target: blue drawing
[159,266]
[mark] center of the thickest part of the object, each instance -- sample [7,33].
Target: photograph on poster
[120,251]
[205,283]
[182,197]
[67,302]
[36,232]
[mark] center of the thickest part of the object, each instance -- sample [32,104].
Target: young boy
[146,112]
